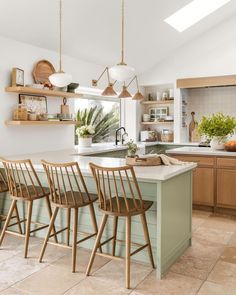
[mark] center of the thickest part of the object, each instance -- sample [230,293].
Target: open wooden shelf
[38,123]
[151,102]
[157,123]
[43,92]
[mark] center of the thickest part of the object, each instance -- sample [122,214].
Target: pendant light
[60,79]
[108,91]
[122,71]
[125,93]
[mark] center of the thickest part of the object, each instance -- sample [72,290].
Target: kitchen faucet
[122,137]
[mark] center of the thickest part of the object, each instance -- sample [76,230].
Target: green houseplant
[217,128]
[132,148]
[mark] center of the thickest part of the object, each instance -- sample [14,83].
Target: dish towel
[166,160]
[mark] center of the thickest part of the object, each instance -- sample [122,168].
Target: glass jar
[20,112]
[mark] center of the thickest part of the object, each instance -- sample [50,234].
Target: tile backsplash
[206,101]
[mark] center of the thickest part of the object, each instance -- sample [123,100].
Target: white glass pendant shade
[121,72]
[60,79]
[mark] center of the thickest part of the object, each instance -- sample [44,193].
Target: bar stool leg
[115,222]
[97,243]
[94,222]
[18,219]
[9,215]
[27,234]
[68,218]
[50,215]
[52,221]
[127,256]
[74,243]
[147,238]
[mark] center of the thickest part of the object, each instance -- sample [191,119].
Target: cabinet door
[226,188]
[203,186]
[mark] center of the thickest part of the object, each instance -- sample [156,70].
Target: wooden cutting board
[42,70]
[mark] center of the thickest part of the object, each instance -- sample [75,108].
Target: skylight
[193,12]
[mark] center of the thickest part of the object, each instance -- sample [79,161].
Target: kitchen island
[169,219]
[214,180]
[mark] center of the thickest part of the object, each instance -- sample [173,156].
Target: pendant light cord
[60,45]
[122,31]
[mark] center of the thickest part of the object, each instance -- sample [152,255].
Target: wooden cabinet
[226,188]
[203,186]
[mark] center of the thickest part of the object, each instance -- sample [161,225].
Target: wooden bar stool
[4,189]
[119,195]
[24,185]
[68,190]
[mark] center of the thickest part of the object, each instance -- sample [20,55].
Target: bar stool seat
[74,200]
[30,192]
[113,209]
[3,186]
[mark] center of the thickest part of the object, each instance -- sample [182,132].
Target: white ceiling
[92,28]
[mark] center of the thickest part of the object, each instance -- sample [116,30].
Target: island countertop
[201,151]
[149,174]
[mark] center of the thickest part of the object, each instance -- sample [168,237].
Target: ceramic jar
[85,141]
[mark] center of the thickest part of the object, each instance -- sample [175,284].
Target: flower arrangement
[85,131]
[218,125]
[132,148]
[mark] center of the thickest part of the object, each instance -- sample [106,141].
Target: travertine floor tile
[213,235]
[15,269]
[221,223]
[201,214]
[172,284]
[209,288]
[198,260]
[5,255]
[81,262]
[14,291]
[224,273]
[51,280]
[229,255]
[232,241]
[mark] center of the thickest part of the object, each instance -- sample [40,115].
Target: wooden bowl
[230,146]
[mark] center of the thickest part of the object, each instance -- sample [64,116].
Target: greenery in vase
[85,131]
[217,125]
[104,124]
[132,148]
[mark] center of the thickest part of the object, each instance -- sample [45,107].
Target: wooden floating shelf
[157,123]
[38,123]
[43,92]
[147,102]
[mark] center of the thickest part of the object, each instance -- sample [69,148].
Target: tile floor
[207,268]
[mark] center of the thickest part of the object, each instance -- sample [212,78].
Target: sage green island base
[169,219]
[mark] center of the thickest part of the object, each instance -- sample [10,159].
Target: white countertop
[200,151]
[150,174]
[99,148]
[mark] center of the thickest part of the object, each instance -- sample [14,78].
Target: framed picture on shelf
[34,103]
[17,77]
[159,113]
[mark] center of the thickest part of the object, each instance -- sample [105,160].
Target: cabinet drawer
[205,161]
[226,162]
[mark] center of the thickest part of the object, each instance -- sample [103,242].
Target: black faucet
[122,138]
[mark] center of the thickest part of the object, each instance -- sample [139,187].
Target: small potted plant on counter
[217,128]
[85,134]
[132,148]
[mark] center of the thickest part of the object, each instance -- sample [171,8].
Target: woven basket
[152,161]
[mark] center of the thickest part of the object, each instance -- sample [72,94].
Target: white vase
[85,141]
[217,143]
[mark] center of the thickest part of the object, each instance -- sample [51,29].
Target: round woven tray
[230,148]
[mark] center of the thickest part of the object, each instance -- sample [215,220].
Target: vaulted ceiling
[92,28]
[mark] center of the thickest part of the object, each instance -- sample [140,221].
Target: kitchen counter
[204,151]
[169,219]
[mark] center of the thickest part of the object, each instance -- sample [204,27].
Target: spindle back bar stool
[119,195]
[4,189]
[24,185]
[68,190]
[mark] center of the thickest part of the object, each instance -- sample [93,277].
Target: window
[102,113]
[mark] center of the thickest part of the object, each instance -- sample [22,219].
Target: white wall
[213,53]
[29,139]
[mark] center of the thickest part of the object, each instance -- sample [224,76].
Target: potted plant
[217,128]
[85,135]
[132,148]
